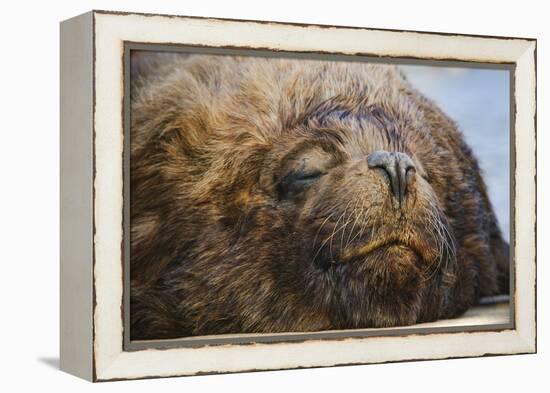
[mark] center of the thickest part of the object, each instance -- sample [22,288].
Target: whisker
[445,242]
[321,227]
[364,224]
[347,222]
[357,217]
[334,232]
[342,217]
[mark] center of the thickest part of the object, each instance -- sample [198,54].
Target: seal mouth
[421,249]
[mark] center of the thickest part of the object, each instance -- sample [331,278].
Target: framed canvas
[246,195]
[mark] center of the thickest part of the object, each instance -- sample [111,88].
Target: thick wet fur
[274,195]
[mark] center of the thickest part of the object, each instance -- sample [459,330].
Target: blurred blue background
[479,101]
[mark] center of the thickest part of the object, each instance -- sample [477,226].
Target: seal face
[273,195]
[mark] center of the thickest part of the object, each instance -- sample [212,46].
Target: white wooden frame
[92,119]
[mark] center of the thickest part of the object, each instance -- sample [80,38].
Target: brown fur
[226,236]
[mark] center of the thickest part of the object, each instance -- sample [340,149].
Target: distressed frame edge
[76,196]
[526,339]
[305,25]
[525,222]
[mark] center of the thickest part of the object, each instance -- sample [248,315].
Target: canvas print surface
[281,194]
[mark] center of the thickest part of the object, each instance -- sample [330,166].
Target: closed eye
[304,176]
[297,181]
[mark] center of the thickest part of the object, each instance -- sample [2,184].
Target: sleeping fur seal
[275,195]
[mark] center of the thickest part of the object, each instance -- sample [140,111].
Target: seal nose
[398,166]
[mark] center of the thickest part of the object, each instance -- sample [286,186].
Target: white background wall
[29,195]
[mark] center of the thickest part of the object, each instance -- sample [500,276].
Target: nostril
[399,168]
[405,179]
[410,173]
